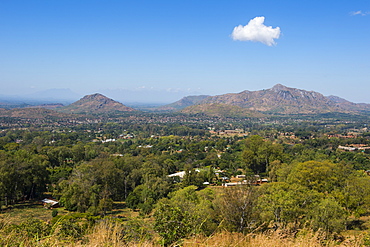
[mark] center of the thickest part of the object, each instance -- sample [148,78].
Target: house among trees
[49,203]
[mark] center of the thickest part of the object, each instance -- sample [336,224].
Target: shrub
[54,213]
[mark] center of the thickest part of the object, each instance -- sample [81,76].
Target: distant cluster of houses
[121,136]
[108,140]
[146,146]
[257,181]
[354,147]
[226,181]
[228,132]
[127,136]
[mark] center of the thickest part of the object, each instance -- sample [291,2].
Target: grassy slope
[108,233]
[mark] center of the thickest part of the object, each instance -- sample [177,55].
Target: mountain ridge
[281,99]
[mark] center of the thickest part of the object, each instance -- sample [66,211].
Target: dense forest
[175,180]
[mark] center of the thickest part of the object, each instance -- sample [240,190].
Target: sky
[161,50]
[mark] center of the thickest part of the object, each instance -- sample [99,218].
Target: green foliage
[320,176]
[355,196]
[23,175]
[33,228]
[186,212]
[366,240]
[70,229]
[328,215]
[193,177]
[312,182]
[146,195]
[284,203]
[235,207]
[259,153]
[54,212]
[172,223]
[320,193]
[90,187]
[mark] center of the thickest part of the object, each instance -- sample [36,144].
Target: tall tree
[259,153]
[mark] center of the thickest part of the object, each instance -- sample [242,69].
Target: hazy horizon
[141,97]
[165,50]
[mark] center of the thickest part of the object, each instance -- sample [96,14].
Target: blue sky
[169,49]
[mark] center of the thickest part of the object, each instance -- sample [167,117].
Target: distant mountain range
[51,96]
[55,95]
[283,100]
[277,100]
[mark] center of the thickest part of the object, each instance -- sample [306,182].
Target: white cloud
[256,31]
[360,12]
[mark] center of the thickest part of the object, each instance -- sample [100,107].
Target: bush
[70,229]
[54,213]
[31,228]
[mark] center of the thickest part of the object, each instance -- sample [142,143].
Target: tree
[188,211]
[328,215]
[355,195]
[192,177]
[283,203]
[171,222]
[147,194]
[23,175]
[236,206]
[322,176]
[91,187]
[259,153]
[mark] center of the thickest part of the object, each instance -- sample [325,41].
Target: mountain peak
[96,103]
[279,99]
[279,87]
[94,96]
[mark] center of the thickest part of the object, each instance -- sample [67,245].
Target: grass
[306,238]
[113,233]
[121,210]
[17,213]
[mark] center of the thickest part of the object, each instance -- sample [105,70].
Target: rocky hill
[285,100]
[347,105]
[183,103]
[94,104]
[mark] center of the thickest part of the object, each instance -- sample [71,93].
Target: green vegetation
[245,178]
